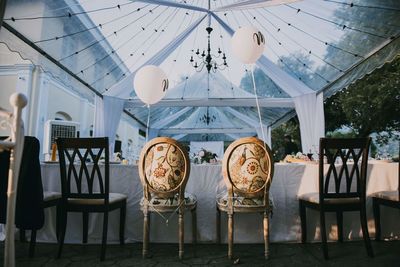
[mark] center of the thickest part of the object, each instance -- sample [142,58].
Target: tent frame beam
[217,102]
[172,131]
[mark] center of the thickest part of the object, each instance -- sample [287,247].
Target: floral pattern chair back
[248,167]
[164,166]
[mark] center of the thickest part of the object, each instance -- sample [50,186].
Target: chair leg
[266,235]
[339,221]
[323,234]
[63,228]
[364,227]
[146,230]
[230,235]
[122,224]
[85,221]
[194,226]
[218,226]
[377,218]
[58,220]
[32,244]
[303,222]
[181,233]
[104,239]
[22,235]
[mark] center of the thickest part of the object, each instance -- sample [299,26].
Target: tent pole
[2,11]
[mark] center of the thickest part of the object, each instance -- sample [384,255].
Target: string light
[343,26]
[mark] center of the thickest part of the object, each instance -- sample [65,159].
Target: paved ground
[282,254]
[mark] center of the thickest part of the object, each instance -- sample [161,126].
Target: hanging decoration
[151,84]
[248,44]
[207,58]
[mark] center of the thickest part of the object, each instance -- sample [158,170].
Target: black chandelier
[206,118]
[207,59]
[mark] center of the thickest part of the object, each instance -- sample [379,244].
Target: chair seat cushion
[314,198]
[388,195]
[48,195]
[240,201]
[190,201]
[113,197]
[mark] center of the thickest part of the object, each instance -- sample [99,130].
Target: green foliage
[291,127]
[370,105]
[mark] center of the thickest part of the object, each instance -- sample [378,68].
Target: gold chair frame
[149,192]
[233,191]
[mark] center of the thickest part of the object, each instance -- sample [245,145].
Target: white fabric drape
[310,111]
[250,4]
[124,87]
[267,133]
[107,116]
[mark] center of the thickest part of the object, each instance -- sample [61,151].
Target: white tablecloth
[206,182]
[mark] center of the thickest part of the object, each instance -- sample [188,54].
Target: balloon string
[148,124]
[257,103]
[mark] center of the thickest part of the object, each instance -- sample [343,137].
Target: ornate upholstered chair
[164,169]
[247,169]
[341,188]
[85,186]
[385,198]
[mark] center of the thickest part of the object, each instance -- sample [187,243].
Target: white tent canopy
[314,48]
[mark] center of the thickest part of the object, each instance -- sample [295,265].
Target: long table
[289,181]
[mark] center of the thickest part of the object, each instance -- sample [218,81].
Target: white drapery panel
[250,4]
[124,87]
[310,111]
[107,116]
[267,133]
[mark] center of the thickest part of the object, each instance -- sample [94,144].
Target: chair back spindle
[81,175]
[344,175]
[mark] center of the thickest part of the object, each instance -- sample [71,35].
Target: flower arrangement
[204,156]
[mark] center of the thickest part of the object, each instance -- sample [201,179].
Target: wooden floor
[282,254]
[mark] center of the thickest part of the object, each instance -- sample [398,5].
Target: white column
[24,86]
[43,101]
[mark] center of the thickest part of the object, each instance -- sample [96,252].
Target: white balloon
[150,84]
[248,44]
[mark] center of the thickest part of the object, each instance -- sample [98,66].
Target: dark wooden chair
[85,185]
[247,169]
[385,198]
[164,169]
[341,188]
[31,199]
[31,196]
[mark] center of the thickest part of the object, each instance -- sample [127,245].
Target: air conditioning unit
[54,129]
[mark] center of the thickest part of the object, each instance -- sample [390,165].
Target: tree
[371,104]
[291,127]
